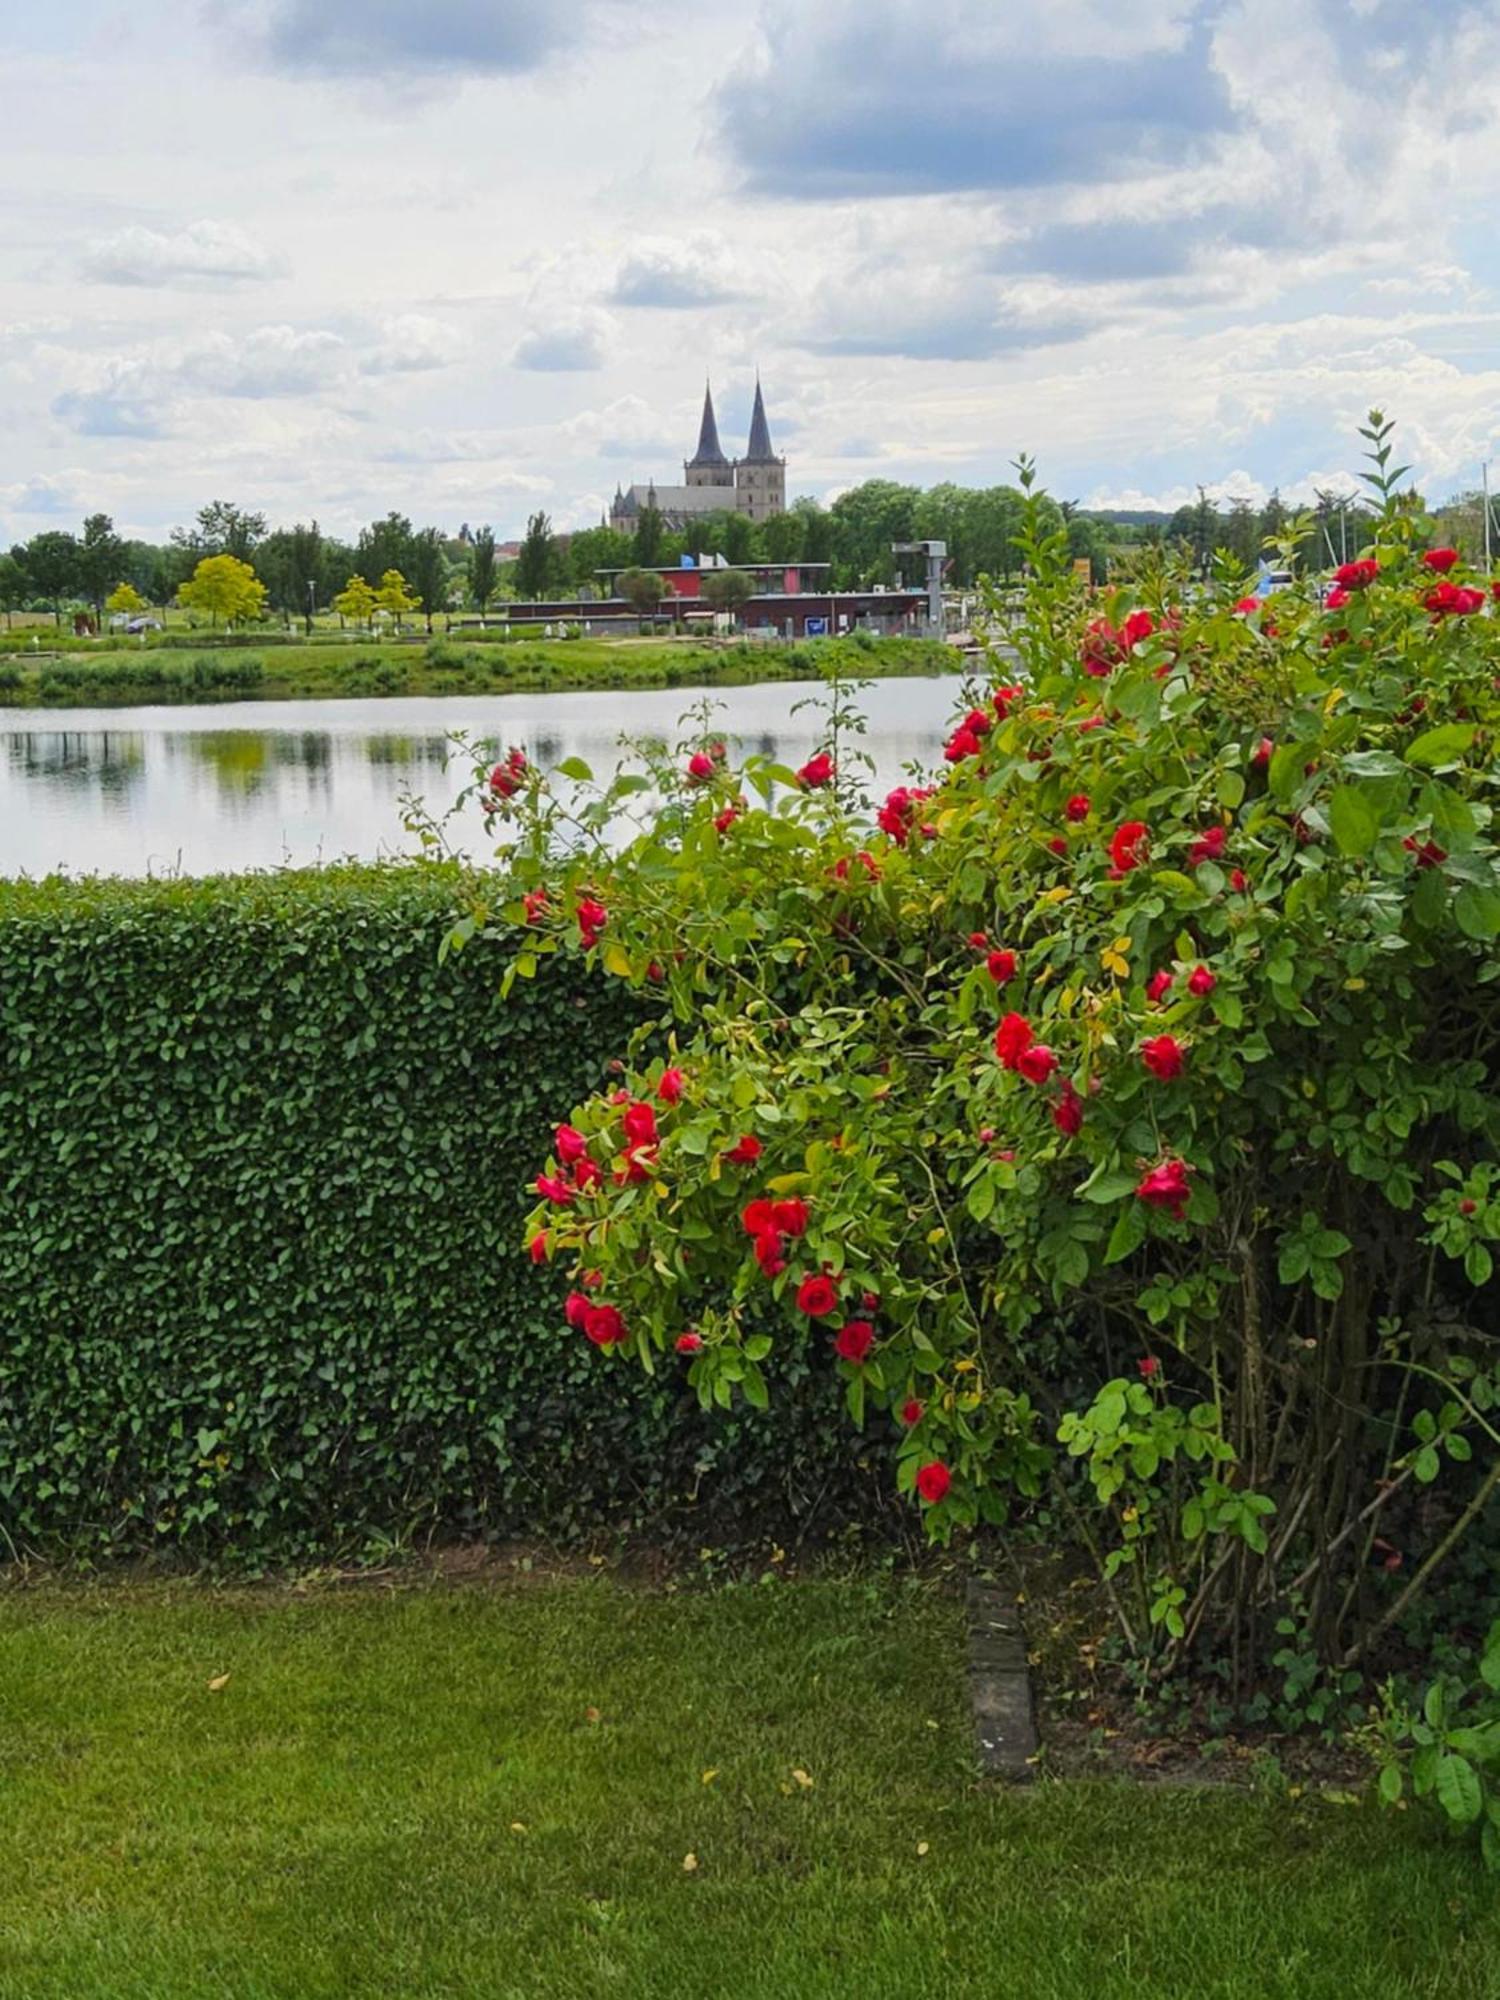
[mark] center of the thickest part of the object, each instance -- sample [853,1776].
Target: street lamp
[311,605]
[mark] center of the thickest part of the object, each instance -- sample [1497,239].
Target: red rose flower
[1356,575]
[1067,1113]
[1057,844]
[979,940]
[912,1413]
[1441,560]
[636,1164]
[534,902]
[700,767]
[1246,606]
[758,1216]
[1036,1063]
[689,1342]
[1101,650]
[537,1249]
[744,1152]
[1428,853]
[1139,625]
[1001,966]
[1239,881]
[1158,986]
[1149,1366]
[854,1340]
[1166,1187]
[768,1253]
[1127,849]
[816,772]
[639,1125]
[1163,1056]
[1453,600]
[576,1308]
[669,1089]
[592,1280]
[1209,846]
[817,1296]
[605,1326]
[978,723]
[1004,699]
[1201,981]
[790,1217]
[725,820]
[896,815]
[569,1144]
[586,1173]
[1077,807]
[1263,753]
[933,1481]
[592,917]
[962,743]
[550,1188]
[1013,1038]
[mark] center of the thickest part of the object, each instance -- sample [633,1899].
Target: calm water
[257,784]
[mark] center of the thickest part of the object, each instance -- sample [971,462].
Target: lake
[197,790]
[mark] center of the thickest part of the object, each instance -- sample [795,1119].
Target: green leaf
[1425,1465]
[1459,1791]
[1477,912]
[576,769]
[1390,1784]
[1108,1184]
[1353,820]
[1444,745]
[1128,1234]
[1286,769]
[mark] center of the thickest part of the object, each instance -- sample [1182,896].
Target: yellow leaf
[1058,895]
[218,1681]
[964,1366]
[710,1774]
[1335,696]
[517,1826]
[801,1778]
[923,1847]
[1122,946]
[689,1864]
[936,1235]
[617,960]
[591,1715]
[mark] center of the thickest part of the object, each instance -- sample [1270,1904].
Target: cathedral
[754,485]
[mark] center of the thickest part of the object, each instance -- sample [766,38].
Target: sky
[473,258]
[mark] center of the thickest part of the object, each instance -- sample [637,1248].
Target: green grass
[87,673]
[405,1793]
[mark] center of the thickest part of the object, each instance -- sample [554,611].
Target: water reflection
[254,785]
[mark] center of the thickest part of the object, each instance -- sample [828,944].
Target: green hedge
[262,1292]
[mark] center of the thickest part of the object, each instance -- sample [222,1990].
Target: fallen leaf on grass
[517,1826]
[689,1864]
[710,1774]
[923,1847]
[591,1715]
[801,1778]
[218,1681]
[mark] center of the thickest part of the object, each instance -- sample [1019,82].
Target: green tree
[221,529]
[226,588]
[866,521]
[817,530]
[1273,518]
[1242,533]
[290,561]
[429,572]
[355,603]
[728,589]
[100,556]
[642,589]
[12,587]
[650,533]
[783,536]
[593,549]
[536,564]
[51,565]
[384,545]
[482,576]
[394,598]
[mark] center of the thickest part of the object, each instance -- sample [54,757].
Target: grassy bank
[572,1788]
[116,676]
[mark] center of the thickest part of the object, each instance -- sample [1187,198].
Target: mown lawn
[492,1790]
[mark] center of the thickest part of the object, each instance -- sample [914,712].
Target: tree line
[300,570]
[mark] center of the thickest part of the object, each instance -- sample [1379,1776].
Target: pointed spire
[759,451]
[710,451]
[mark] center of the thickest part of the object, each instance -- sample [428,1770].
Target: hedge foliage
[262,1296]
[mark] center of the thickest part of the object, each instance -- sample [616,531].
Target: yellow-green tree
[125,601]
[225,588]
[355,602]
[394,597]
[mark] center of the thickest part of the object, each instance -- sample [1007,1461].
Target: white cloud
[574,342]
[213,253]
[698,269]
[412,343]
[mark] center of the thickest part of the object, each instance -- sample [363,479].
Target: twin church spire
[713,483]
[711,453]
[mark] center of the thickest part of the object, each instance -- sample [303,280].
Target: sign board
[1083,569]
[816,628]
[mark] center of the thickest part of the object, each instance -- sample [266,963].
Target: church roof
[759,452]
[710,451]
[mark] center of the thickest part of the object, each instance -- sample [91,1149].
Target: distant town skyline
[473,258]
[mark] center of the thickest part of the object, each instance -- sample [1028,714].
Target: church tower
[760,476]
[708,466]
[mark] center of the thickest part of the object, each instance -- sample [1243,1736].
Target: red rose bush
[1165,1010]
